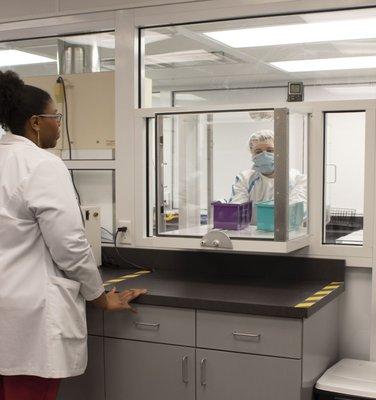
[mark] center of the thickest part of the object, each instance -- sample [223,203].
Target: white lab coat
[47,269]
[251,185]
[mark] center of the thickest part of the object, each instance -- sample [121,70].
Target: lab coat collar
[9,138]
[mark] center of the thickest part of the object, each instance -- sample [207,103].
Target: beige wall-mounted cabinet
[91,109]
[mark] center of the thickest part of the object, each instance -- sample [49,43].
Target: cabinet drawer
[249,334]
[153,324]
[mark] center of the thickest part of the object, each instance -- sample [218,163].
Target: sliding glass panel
[216,170]
[344,177]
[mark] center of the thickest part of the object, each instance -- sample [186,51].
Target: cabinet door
[140,370]
[89,386]
[226,376]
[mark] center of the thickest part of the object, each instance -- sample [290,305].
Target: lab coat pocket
[66,309]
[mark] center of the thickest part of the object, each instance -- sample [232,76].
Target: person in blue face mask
[257,183]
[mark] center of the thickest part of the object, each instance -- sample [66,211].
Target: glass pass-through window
[217,170]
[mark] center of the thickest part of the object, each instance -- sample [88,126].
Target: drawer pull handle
[146,325]
[203,372]
[184,370]
[254,336]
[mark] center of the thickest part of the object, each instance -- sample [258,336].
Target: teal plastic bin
[265,215]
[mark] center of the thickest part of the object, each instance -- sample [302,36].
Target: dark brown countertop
[241,294]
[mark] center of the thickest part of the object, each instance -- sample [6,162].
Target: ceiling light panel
[328,31]
[326,64]
[180,57]
[10,58]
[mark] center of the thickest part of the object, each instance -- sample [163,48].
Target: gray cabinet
[225,375]
[167,353]
[89,386]
[140,371]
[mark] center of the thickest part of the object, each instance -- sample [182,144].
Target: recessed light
[327,31]
[181,57]
[326,64]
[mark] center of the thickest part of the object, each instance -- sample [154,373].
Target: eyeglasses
[58,116]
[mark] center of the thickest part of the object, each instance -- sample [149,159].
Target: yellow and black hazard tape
[310,301]
[125,277]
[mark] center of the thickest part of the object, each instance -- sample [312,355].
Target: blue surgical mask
[264,162]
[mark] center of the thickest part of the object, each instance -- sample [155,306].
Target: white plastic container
[353,378]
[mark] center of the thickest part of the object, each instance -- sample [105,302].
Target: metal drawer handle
[256,337]
[203,372]
[184,369]
[146,325]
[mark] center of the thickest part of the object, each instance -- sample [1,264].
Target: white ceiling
[242,67]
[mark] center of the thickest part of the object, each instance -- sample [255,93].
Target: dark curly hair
[19,102]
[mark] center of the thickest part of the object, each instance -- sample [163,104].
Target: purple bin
[232,216]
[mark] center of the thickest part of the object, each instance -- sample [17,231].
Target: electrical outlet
[125,237]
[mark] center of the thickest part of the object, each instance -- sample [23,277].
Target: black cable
[138,267]
[75,188]
[78,197]
[107,240]
[127,261]
[60,79]
[110,233]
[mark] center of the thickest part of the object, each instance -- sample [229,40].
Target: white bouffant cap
[265,135]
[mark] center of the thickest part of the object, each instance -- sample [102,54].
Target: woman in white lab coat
[47,269]
[257,183]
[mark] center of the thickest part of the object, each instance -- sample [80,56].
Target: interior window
[252,60]
[344,178]
[78,72]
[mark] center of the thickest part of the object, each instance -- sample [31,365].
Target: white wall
[96,189]
[355,314]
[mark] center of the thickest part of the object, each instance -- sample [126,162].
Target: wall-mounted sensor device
[92,221]
[295,91]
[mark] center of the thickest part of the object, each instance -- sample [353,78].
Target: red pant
[28,388]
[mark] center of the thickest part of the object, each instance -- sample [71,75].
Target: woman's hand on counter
[115,301]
